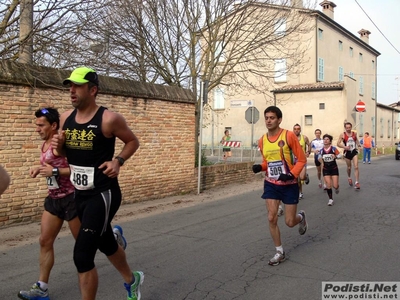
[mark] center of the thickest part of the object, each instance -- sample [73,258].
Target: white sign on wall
[241,103]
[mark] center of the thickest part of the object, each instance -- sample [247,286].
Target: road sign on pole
[360,106]
[252,115]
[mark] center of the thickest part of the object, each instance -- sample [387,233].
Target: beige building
[339,80]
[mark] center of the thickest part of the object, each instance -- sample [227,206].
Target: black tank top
[86,149]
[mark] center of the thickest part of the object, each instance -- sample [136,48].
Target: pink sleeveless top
[59,186]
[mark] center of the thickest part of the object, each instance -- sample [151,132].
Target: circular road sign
[360,106]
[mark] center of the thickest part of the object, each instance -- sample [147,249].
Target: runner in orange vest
[278,148]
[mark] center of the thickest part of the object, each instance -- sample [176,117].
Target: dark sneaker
[303,224]
[35,293]
[350,182]
[134,289]
[307,181]
[119,236]
[277,259]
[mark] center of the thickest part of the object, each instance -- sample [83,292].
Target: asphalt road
[220,250]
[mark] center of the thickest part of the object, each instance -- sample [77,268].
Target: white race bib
[82,177]
[351,143]
[275,168]
[328,157]
[52,183]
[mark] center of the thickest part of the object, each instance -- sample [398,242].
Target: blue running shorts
[288,194]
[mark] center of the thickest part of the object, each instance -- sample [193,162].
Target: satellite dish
[98,48]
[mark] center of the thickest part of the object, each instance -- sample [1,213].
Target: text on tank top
[278,156]
[86,149]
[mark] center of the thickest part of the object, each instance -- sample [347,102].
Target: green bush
[204,160]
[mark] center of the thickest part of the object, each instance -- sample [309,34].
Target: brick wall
[224,174]
[162,117]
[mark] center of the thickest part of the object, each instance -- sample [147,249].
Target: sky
[383,16]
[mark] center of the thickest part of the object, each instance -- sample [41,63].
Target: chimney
[364,35]
[297,3]
[327,8]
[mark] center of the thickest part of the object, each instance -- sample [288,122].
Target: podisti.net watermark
[360,290]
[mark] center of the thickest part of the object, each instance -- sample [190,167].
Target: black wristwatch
[55,172]
[121,161]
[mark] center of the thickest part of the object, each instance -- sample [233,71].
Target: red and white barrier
[233,144]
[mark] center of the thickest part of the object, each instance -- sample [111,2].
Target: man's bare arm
[4,180]
[340,141]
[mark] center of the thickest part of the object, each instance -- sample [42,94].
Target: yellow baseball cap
[81,76]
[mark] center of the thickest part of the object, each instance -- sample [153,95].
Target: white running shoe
[119,236]
[303,225]
[330,202]
[277,259]
[301,196]
[35,293]
[280,211]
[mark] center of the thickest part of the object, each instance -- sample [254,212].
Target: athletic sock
[301,217]
[43,285]
[280,249]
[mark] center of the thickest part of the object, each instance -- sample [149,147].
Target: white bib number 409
[82,177]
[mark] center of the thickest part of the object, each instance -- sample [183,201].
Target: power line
[377,27]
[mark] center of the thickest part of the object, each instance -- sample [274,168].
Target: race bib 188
[82,177]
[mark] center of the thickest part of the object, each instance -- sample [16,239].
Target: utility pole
[203,100]
[25,32]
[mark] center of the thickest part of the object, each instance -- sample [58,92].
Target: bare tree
[228,42]
[45,32]
[232,44]
[242,52]
[25,32]
[175,42]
